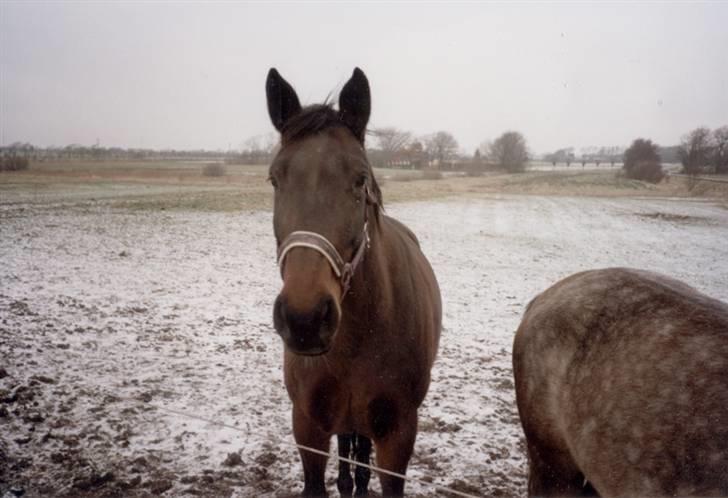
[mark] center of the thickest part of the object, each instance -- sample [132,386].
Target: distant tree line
[700,151]
[597,155]
[395,148]
[96,153]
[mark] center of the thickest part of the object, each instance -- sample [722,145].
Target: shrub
[14,163]
[213,169]
[642,162]
[648,171]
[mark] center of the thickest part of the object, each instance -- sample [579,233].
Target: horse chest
[341,402]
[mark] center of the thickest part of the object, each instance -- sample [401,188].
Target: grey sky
[189,75]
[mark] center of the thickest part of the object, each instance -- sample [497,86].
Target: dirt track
[108,314]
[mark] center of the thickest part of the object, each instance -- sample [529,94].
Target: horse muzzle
[306,332]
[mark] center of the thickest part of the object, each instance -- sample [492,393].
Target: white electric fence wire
[324,453]
[374,468]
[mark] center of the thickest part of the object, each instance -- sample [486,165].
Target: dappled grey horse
[622,387]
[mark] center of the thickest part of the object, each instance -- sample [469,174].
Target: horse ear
[283,102]
[355,104]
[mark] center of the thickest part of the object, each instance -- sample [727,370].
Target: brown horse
[622,387]
[360,309]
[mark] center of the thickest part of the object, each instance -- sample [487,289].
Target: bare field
[126,306]
[171,185]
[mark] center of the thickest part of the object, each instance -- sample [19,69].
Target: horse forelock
[311,120]
[317,118]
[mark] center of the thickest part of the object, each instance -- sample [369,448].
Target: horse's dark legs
[362,450]
[344,483]
[552,473]
[308,433]
[393,453]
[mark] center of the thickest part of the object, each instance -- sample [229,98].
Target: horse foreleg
[309,434]
[551,472]
[344,483]
[393,452]
[362,450]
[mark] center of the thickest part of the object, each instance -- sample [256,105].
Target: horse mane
[316,118]
[311,120]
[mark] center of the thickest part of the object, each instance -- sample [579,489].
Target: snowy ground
[110,318]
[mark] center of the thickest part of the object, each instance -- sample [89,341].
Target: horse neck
[370,283]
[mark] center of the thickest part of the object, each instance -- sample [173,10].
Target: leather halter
[344,271]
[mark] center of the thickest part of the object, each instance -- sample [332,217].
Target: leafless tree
[510,152]
[260,149]
[720,150]
[695,150]
[441,146]
[392,142]
[261,144]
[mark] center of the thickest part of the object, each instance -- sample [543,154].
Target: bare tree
[720,150]
[260,149]
[695,150]
[441,146]
[416,154]
[392,142]
[510,152]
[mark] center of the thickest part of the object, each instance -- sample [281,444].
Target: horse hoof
[345,485]
[317,493]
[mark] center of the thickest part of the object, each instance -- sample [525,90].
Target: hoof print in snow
[8,396]
[159,487]
[40,378]
[232,460]
[92,481]
[33,418]
[131,483]
[22,440]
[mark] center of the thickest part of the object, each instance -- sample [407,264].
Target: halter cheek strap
[312,240]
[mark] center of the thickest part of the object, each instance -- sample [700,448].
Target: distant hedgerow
[14,163]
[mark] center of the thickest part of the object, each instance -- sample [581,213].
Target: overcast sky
[191,75]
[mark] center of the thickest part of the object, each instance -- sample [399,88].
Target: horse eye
[360,181]
[273,181]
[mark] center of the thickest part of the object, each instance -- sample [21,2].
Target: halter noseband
[344,271]
[312,240]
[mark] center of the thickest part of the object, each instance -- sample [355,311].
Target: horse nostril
[327,310]
[329,318]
